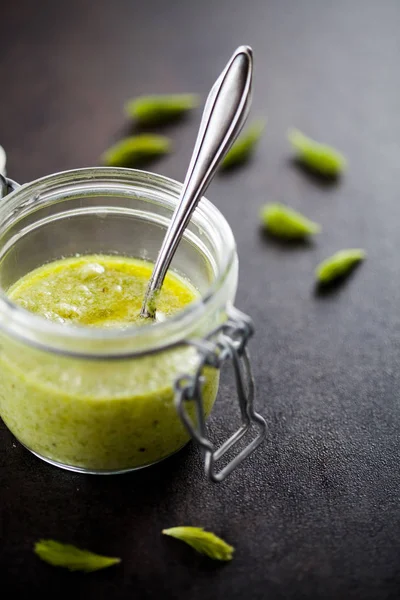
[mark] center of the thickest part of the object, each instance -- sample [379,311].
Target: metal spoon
[225,112]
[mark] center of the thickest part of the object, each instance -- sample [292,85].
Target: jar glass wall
[99,400]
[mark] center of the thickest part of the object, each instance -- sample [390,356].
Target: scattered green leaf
[72,558]
[202,541]
[159,109]
[244,146]
[339,264]
[136,150]
[317,157]
[284,222]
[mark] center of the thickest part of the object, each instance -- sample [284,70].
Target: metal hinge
[228,342]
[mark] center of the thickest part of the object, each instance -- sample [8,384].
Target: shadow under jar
[105,400]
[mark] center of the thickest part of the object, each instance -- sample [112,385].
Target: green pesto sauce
[97,291]
[102,416]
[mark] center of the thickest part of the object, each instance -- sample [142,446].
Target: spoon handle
[225,112]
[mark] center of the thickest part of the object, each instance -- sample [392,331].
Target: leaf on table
[136,150]
[284,222]
[339,264]
[204,542]
[72,558]
[160,109]
[244,146]
[320,158]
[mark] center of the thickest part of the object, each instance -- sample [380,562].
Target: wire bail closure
[227,342]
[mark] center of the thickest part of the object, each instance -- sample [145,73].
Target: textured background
[314,513]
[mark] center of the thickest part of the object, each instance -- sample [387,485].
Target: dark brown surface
[315,513]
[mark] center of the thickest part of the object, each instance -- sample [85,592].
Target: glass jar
[114,400]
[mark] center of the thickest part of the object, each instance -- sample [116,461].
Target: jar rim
[57,337]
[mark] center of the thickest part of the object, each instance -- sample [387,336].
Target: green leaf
[244,146]
[72,558]
[136,150]
[286,223]
[317,157]
[159,109]
[202,541]
[338,264]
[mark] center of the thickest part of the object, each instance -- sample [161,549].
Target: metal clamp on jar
[113,400]
[230,344]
